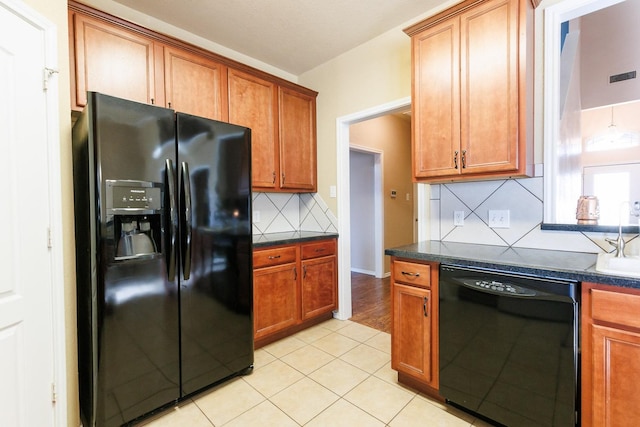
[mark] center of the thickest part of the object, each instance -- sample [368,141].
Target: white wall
[362,209]
[609,47]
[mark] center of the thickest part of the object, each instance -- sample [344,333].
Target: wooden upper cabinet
[195,84]
[283,132]
[489,88]
[436,125]
[111,60]
[297,121]
[122,59]
[472,92]
[253,103]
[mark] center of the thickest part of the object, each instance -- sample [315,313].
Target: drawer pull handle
[424,306]
[274,256]
[407,273]
[320,249]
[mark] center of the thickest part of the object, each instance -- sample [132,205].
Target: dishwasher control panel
[500,287]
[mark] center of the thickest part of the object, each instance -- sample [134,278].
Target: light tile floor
[337,373]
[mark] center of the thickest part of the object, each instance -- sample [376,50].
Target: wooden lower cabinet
[412,331]
[275,298]
[610,356]
[319,283]
[414,323]
[294,286]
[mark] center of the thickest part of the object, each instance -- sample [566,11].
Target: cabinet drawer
[615,307]
[412,273]
[275,256]
[318,249]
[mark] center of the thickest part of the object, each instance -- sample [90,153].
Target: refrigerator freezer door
[128,336]
[216,296]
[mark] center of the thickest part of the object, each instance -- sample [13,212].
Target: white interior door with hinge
[27,261]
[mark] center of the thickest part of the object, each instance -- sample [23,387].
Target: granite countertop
[538,262]
[273,239]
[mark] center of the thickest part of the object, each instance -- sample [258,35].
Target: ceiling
[292,35]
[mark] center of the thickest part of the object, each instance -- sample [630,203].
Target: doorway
[367,215]
[344,204]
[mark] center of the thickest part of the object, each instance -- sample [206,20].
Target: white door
[26,311]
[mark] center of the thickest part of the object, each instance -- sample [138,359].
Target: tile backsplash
[523,198]
[284,212]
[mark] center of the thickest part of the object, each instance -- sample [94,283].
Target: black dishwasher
[509,346]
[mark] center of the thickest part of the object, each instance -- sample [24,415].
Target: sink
[628,266]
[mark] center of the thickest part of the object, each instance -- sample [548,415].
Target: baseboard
[363,271]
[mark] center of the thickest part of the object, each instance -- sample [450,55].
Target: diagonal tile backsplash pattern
[285,212]
[524,199]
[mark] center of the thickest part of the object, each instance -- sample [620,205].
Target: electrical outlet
[499,219]
[458,218]
[256,216]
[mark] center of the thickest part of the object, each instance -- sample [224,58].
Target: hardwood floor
[371,301]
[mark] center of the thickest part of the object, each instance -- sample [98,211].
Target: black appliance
[163,241]
[509,346]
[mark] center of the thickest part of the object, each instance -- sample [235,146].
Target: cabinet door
[616,363]
[195,84]
[297,114]
[411,332]
[113,61]
[489,87]
[436,101]
[319,286]
[253,103]
[275,299]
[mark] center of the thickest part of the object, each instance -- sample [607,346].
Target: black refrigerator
[163,257]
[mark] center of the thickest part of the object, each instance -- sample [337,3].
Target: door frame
[344,208]
[378,202]
[53,204]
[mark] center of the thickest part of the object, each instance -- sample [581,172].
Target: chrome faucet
[618,243]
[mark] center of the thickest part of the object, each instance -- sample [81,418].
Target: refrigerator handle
[185,209]
[171,227]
